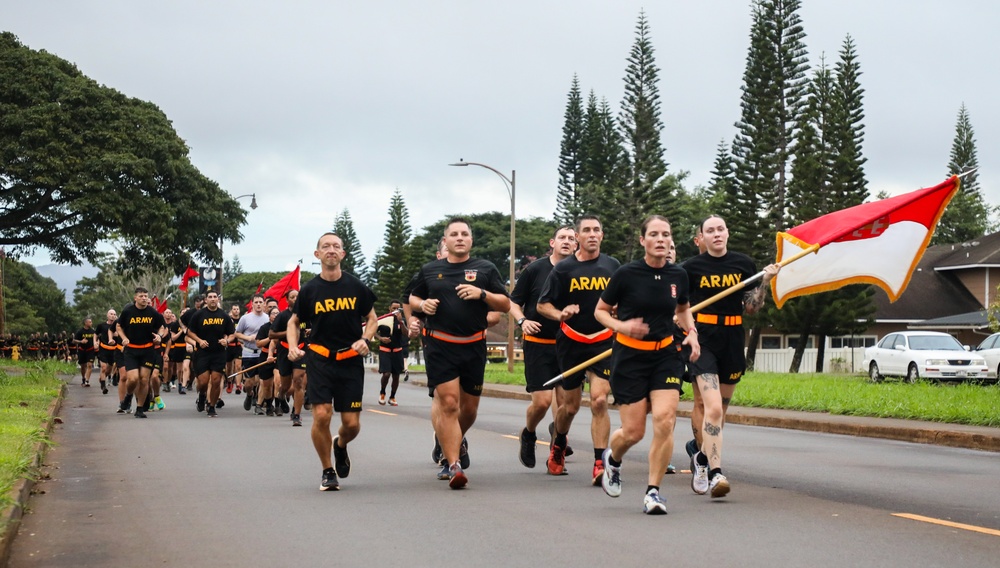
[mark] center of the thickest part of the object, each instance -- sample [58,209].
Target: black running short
[106,356]
[250,362]
[341,383]
[209,361]
[721,353]
[390,362]
[234,352]
[140,358]
[120,358]
[540,365]
[286,366]
[571,353]
[449,361]
[638,373]
[85,356]
[177,354]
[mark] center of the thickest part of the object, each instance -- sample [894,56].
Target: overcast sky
[320,105]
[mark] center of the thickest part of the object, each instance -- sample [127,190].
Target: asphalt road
[179,489]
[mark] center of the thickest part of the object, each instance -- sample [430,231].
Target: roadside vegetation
[852,395]
[26,391]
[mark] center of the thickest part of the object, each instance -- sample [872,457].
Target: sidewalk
[923,432]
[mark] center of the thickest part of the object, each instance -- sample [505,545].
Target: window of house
[793,342]
[770,342]
[852,341]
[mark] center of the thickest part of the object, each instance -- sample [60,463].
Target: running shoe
[126,405]
[653,504]
[329,481]
[719,486]
[671,469]
[220,403]
[527,454]
[392,402]
[211,412]
[557,460]
[139,413]
[269,411]
[406,376]
[284,405]
[181,390]
[201,402]
[166,386]
[104,387]
[114,381]
[552,436]
[229,388]
[611,481]
[463,454]
[699,475]
[277,409]
[248,402]
[381,398]
[598,473]
[258,410]
[445,472]
[238,389]
[159,403]
[296,420]
[457,479]
[436,454]
[341,460]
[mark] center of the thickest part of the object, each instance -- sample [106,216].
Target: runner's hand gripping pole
[694,309]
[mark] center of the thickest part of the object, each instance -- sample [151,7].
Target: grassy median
[852,395]
[26,392]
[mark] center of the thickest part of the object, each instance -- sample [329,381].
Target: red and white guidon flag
[876,243]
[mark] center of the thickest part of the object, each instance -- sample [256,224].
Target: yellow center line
[944,523]
[380,412]
[539,442]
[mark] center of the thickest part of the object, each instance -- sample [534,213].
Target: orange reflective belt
[177,345]
[143,346]
[390,349]
[643,345]
[285,344]
[340,355]
[542,340]
[109,347]
[581,338]
[118,347]
[449,338]
[713,319]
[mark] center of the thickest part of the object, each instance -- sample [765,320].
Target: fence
[841,360]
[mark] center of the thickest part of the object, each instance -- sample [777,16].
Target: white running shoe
[719,486]
[699,476]
[611,482]
[653,504]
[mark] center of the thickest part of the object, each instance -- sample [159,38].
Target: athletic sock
[598,453]
[560,440]
[613,462]
[713,472]
[702,459]
[652,488]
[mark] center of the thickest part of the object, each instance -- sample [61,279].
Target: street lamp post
[222,257]
[509,183]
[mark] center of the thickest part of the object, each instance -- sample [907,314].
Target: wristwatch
[482,296]
[519,321]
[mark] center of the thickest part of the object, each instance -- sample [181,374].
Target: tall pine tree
[354,260]
[967,216]
[774,86]
[392,267]
[639,120]
[571,158]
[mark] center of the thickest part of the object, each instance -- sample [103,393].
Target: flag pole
[694,309]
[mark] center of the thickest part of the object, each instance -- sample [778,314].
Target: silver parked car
[928,354]
[989,349]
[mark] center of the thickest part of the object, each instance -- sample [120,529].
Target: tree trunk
[752,346]
[820,352]
[800,348]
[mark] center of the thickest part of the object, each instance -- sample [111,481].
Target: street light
[222,259]
[509,184]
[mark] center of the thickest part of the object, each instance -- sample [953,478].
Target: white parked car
[989,349]
[927,354]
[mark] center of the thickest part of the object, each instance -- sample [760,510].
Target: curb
[921,432]
[10,518]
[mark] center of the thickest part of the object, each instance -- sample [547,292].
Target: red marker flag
[188,275]
[877,243]
[281,288]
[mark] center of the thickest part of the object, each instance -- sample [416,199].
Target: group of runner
[572,306]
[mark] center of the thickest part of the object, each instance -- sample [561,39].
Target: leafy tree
[114,287]
[967,216]
[241,288]
[354,261]
[491,239]
[232,269]
[571,158]
[847,136]
[392,266]
[81,164]
[33,303]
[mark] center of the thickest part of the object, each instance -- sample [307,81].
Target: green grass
[25,396]
[851,395]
